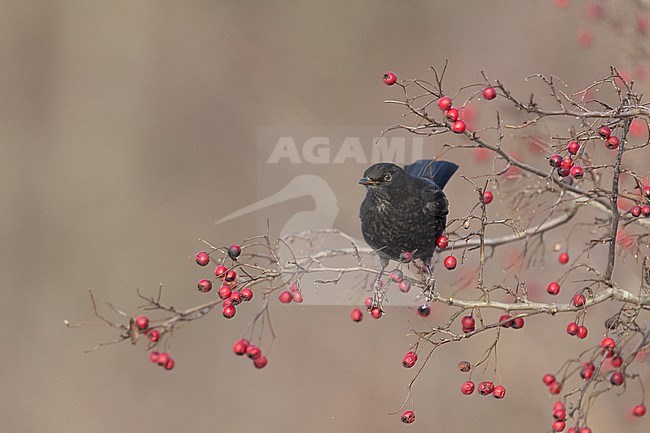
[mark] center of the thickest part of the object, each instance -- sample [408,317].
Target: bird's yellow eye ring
[388,177]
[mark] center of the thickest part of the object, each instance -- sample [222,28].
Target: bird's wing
[436,203]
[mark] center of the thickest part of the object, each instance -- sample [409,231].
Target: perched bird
[405,210]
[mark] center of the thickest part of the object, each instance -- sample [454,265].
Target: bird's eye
[388,177]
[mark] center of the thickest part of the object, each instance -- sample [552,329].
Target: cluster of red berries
[228,291]
[559,416]
[442,243]
[484,388]
[642,208]
[554,387]
[611,141]
[509,322]
[452,114]
[566,166]
[375,310]
[403,283]
[579,331]
[244,347]
[163,359]
[142,322]
[292,295]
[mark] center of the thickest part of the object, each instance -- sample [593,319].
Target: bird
[405,210]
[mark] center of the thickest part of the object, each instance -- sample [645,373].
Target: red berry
[558,426]
[153,357]
[468,323]
[507,324]
[202,258]
[604,132]
[240,346]
[253,352]
[234,251]
[612,142]
[558,405]
[485,388]
[616,361]
[404,286]
[582,332]
[563,172]
[229,311]
[467,388]
[368,302]
[442,242]
[567,162]
[356,315]
[376,313]
[205,285]
[246,294]
[260,362]
[163,358]
[230,276]
[489,93]
[390,78]
[572,328]
[517,323]
[617,378]
[638,410]
[153,335]
[579,300]
[235,298]
[142,322]
[409,359]
[285,297]
[553,288]
[450,262]
[458,127]
[444,103]
[408,417]
[464,366]
[224,292]
[169,364]
[297,297]
[577,172]
[424,310]
[487,197]
[405,257]
[452,114]
[563,258]
[499,391]
[573,147]
[587,371]
[584,430]
[555,388]
[559,414]
[635,211]
[608,343]
[220,271]
[548,379]
[555,160]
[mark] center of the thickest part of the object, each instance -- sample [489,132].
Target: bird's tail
[438,171]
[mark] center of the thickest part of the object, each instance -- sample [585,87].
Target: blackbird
[405,210]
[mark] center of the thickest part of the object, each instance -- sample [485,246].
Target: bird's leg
[430,282]
[378,293]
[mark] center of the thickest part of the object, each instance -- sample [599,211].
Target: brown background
[129,128]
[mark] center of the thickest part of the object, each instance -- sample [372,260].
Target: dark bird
[405,210]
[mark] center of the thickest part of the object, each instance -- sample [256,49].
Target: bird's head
[383,176]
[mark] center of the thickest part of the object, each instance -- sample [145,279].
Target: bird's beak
[366,181]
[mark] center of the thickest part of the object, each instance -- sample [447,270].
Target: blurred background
[130,127]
